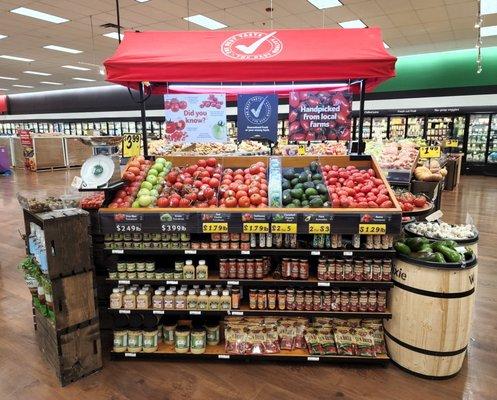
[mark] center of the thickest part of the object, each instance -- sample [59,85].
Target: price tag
[319,228]
[215,227]
[117,251]
[311,358]
[301,150]
[324,284]
[124,312]
[129,354]
[256,227]
[429,152]
[173,228]
[171,282]
[158,312]
[195,312]
[239,313]
[280,227]
[315,253]
[245,252]
[223,356]
[434,216]
[190,251]
[123,282]
[128,227]
[451,143]
[132,143]
[236,283]
[76,182]
[348,253]
[372,229]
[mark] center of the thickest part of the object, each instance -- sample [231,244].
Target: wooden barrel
[431,307]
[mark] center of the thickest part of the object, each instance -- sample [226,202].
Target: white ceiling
[409,27]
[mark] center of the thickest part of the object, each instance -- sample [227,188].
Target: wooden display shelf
[266,282]
[218,352]
[246,312]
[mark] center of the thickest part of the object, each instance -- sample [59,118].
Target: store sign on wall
[319,115]
[195,118]
[257,116]
[27,149]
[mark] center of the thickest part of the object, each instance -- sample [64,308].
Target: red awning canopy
[263,56]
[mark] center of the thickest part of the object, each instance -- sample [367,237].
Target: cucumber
[448,243]
[415,243]
[426,248]
[402,248]
[439,258]
[449,254]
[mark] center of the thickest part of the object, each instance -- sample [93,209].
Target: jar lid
[129,291]
[158,292]
[150,322]
[191,292]
[188,262]
[226,292]
[180,293]
[169,292]
[120,321]
[214,293]
[142,292]
[116,290]
[203,292]
[135,321]
[201,262]
[182,328]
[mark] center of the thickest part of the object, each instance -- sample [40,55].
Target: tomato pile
[244,187]
[350,187]
[212,101]
[136,170]
[93,201]
[192,186]
[409,201]
[174,130]
[175,105]
[134,174]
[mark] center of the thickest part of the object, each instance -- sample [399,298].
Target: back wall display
[195,118]
[319,115]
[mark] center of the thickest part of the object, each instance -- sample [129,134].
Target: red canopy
[270,56]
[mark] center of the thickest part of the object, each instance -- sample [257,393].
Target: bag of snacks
[364,341]
[344,339]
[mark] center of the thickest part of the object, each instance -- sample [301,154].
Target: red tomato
[214,182]
[192,197]
[202,163]
[230,202]
[253,190]
[239,177]
[256,199]
[184,203]
[240,193]
[245,188]
[206,180]
[244,201]
[212,202]
[211,162]
[183,104]
[162,202]
[420,201]
[209,193]
[129,176]
[174,202]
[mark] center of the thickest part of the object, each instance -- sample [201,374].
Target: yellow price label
[301,150]
[452,143]
[319,228]
[256,227]
[372,229]
[280,227]
[215,227]
[132,143]
[429,152]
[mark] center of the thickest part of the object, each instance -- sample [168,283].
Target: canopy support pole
[143,120]
[362,95]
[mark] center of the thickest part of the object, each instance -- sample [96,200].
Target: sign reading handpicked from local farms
[257,116]
[195,118]
[319,115]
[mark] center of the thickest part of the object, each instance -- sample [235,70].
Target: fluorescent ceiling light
[51,83]
[38,15]
[321,4]
[84,79]
[386,46]
[488,7]
[76,68]
[36,73]
[142,1]
[8,78]
[16,58]
[60,48]
[356,23]
[206,22]
[489,30]
[3,89]
[24,86]
[3,37]
[113,35]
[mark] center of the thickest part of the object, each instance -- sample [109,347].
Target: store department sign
[195,118]
[257,116]
[252,46]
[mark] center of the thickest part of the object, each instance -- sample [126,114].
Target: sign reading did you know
[257,116]
[319,115]
[195,118]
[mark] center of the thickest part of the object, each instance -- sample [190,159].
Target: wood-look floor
[24,375]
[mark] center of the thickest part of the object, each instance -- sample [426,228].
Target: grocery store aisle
[23,373]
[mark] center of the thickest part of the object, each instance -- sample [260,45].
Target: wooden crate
[73,353]
[67,240]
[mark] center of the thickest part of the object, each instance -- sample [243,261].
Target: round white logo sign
[252,46]
[257,110]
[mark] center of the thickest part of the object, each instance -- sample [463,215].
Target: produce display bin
[76,152]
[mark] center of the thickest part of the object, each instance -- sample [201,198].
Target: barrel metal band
[428,293]
[424,351]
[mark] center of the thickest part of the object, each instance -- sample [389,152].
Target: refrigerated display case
[477,138]
[492,141]
[397,128]
[415,127]
[439,129]
[379,128]
[458,133]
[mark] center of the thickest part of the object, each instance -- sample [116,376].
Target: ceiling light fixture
[489,30]
[24,86]
[38,15]
[113,35]
[14,58]
[356,23]
[51,83]
[386,46]
[141,1]
[63,49]
[84,79]
[76,68]
[322,4]
[206,22]
[3,37]
[488,7]
[36,73]
[8,78]
[3,89]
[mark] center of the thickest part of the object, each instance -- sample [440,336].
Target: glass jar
[120,340]
[376,274]
[344,301]
[372,301]
[271,299]
[180,300]
[354,301]
[203,300]
[225,301]
[192,300]
[294,272]
[129,300]
[253,299]
[116,299]
[304,269]
[308,300]
[250,268]
[335,300]
[169,301]
[240,268]
[245,246]
[212,333]
[386,270]
[381,301]
[150,339]
[316,300]
[348,272]
[223,268]
[189,270]
[232,268]
[286,268]
[322,271]
[290,299]
[168,329]
[158,300]
[363,301]
[326,303]
[339,269]
[259,268]
[235,298]
[300,300]
[358,270]
[367,270]
[261,299]
[281,299]
[122,267]
[198,341]
[202,271]
[234,245]
[214,301]
[182,339]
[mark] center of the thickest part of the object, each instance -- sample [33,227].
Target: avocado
[317,177]
[294,181]
[285,184]
[308,185]
[288,173]
[321,188]
[296,193]
[296,203]
[316,202]
[314,166]
[299,186]
[311,192]
[287,197]
[304,177]
[304,203]
[324,197]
